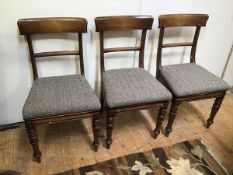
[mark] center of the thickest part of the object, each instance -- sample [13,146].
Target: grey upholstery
[190,79]
[60,95]
[132,86]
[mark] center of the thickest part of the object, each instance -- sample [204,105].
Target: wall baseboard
[231,89]
[10,126]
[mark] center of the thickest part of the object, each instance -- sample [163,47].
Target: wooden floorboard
[67,145]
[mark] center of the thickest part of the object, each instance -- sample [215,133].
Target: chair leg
[32,134]
[172,115]
[215,108]
[161,115]
[109,120]
[96,129]
[102,100]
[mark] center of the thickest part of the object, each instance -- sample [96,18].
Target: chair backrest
[179,20]
[121,23]
[32,26]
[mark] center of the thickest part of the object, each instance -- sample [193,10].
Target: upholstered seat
[132,86]
[60,95]
[190,79]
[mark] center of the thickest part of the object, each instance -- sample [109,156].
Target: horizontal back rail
[179,20]
[111,23]
[52,25]
[177,44]
[120,49]
[55,53]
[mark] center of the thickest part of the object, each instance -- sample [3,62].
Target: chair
[188,82]
[58,98]
[129,88]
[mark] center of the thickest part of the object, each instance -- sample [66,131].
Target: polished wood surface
[177,44]
[113,23]
[184,20]
[66,145]
[121,49]
[56,53]
[178,20]
[52,25]
[32,26]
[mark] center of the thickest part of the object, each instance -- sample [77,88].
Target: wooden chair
[188,82]
[130,88]
[59,98]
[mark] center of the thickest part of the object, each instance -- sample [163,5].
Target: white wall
[15,71]
[228,74]
[215,39]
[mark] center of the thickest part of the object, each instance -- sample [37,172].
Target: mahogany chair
[129,88]
[188,82]
[58,98]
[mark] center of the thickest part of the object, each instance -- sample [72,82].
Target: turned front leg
[215,108]
[110,121]
[96,129]
[161,115]
[172,116]
[32,134]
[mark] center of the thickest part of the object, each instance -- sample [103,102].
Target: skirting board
[10,126]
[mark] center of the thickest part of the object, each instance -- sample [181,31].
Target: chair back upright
[179,20]
[32,26]
[122,23]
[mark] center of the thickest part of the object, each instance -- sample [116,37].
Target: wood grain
[59,141]
[176,20]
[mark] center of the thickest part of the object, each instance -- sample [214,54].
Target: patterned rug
[186,158]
